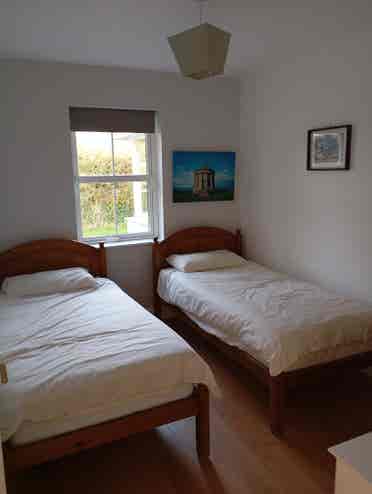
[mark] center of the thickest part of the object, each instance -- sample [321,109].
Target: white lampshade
[201,51]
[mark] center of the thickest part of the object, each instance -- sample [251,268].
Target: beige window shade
[107,120]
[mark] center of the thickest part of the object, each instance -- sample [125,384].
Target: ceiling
[133,33]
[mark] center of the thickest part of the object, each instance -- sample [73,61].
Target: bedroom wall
[315,225]
[36,186]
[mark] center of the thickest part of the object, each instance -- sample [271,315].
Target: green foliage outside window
[97,200]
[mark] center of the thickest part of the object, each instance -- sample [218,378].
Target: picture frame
[329,148]
[203,176]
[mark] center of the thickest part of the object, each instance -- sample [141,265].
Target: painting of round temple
[204,182]
[200,176]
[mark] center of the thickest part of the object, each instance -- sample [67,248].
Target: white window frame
[152,203]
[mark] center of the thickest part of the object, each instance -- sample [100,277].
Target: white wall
[36,196]
[313,225]
[317,225]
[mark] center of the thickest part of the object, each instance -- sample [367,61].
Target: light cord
[201,9]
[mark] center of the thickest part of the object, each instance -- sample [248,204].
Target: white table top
[357,453]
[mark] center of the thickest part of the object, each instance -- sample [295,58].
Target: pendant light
[202,50]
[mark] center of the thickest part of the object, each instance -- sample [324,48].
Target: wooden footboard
[68,444]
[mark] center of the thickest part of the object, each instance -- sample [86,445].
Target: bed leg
[277,404]
[202,423]
[10,459]
[157,306]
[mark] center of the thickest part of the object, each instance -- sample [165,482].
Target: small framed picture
[329,148]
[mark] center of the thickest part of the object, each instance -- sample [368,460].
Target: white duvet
[276,319]
[67,353]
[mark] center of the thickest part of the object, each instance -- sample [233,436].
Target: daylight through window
[114,185]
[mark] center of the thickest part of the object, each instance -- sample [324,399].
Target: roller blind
[109,120]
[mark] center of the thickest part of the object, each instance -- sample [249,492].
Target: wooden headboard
[44,255]
[199,239]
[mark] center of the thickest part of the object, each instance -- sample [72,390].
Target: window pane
[130,154]
[132,207]
[97,209]
[94,151]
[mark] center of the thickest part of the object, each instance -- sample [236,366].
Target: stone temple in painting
[204,182]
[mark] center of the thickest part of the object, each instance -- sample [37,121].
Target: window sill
[124,243]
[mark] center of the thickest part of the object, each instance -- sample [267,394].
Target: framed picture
[203,176]
[329,148]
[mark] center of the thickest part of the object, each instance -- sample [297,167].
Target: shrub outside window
[114,186]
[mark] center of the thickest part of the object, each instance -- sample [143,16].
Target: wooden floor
[245,457]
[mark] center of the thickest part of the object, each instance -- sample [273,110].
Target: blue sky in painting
[186,162]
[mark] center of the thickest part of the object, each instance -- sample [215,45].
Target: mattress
[80,357]
[31,431]
[284,323]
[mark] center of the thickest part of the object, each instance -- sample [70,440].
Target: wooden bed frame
[203,239]
[43,255]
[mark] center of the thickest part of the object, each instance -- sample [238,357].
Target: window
[115,185]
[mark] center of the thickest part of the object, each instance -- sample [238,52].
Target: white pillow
[205,261]
[48,282]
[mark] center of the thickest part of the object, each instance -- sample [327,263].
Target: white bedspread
[274,318]
[75,352]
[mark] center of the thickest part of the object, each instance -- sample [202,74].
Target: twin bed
[90,366]
[279,328]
